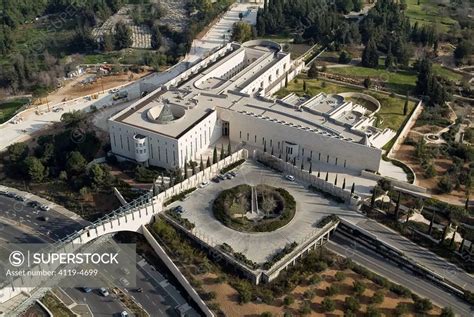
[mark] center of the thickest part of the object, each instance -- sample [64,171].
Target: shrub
[372,311]
[447,312]
[359,288]
[352,304]
[328,305]
[288,300]
[320,266]
[332,290]
[266,314]
[315,279]
[401,309]
[305,308]
[309,294]
[377,298]
[340,276]
[423,305]
[345,57]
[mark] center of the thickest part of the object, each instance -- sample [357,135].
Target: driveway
[258,247]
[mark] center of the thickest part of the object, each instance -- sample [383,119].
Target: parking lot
[310,208]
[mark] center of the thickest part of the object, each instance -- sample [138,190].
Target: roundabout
[259,208]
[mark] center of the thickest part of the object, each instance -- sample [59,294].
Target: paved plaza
[258,247]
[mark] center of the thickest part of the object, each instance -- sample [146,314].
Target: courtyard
[311,207]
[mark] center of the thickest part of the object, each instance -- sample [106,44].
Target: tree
[242,32]
[389,60]
[229,149]
[17,152]
[423,79]
[222,152]
[107,43]
[344,57]
[328,305]
[34,169]
[185,168]
[313,71]
[122,36]
[344,183]
[405,107]
[98,174]
[156,38]
[423,305]
[401,309]
[201,165]
[304,86]
[370,56]
[214,155]
[75,163]
[241,16]
[463,49]
[208,163]
[447,312]
[353,188]
[367,82]
[445,185]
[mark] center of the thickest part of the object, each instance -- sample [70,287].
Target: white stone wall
[163,150]
[271,75]
[192,144]
[324,148]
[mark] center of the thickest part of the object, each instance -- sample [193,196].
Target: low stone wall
[406,129]
[290,259]
[395,182]
[319,183]
[175,271]
[362,96]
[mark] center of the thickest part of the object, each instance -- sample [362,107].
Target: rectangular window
[115,143]
[247,136]
[121,142]
[240,135]
[255,139]
[151,150]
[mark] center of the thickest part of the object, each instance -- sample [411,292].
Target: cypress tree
[214,155]
[208,164]
[389,58]
[265,147]
[405,107]
[185,169]
[302,165]
[370,56]
[201,165]
[344,183]
[222,151]
[353,188]
[229,149]
[310,167]
[327,176]
[335,181]
[272,151]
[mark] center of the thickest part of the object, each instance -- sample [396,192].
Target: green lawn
[391,112]
[429,12]
[8,108]
[399,82]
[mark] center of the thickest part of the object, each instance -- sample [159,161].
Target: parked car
[33,204]
[104,292]
[233,173]
[44,207]
[125,271]
[291,178]
[139,290]
[124,281]
[124,314]
[179,209]
[220,176]
[228,176]
[87,289]
[203,184]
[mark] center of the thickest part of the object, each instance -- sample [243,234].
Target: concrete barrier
[176,272]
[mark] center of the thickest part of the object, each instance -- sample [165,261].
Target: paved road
[376,263]
[99,305]
[421,255]
[56,227]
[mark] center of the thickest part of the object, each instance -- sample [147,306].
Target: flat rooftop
[212,89]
